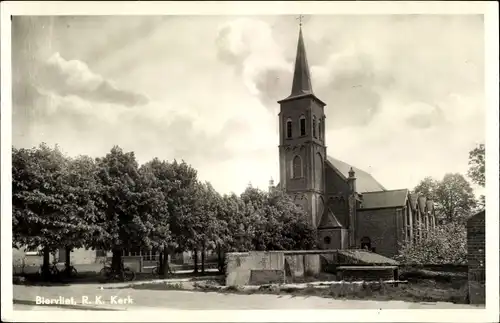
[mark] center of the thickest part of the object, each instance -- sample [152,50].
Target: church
[349,208]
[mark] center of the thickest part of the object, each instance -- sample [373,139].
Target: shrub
[445,244]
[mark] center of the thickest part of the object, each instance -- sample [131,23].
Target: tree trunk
[161,264]
[46,264]
[116,262]
[203,258]
[166,264]
[67,261]
[220,259]
[195,259]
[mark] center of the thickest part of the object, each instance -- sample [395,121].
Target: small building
[476,245]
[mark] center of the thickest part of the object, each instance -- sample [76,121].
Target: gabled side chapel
[347,205]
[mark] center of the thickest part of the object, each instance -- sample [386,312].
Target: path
[165,299]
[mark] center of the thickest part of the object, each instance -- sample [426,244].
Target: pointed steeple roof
[301,75]
[301,85]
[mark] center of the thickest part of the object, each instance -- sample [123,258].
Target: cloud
[356,72]
[402,94]
[348,81]
[75,78]
[249,46]
[154,130]
[424,116]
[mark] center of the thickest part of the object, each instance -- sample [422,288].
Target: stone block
[312,265]
[295,263]
[266,276]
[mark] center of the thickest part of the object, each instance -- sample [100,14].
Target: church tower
[302,149]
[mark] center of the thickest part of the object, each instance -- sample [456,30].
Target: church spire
[301,85]
[301,76]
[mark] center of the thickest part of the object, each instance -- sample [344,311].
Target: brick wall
[380,226]
[334,183]
[476,247]
[338,238]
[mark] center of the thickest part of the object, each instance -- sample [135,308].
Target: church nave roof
[364,181]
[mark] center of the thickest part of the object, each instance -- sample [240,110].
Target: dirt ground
[25,296]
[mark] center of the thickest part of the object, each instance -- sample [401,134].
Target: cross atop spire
[299,18]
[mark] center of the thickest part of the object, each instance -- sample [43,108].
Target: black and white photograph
[239,156]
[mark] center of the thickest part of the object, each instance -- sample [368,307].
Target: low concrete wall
[267,276]
[240,264]
[312,265]
[294,265]
[133,262]
[79,256]
[83,256]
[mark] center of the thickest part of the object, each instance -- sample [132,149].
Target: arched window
[302,125]
[297,167]
[289,128]
[318,171]
[320,131]
[314,126]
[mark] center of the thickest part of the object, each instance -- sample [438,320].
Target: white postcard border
[490,11]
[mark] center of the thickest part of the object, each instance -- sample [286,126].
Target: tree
[477,165]
[155,203]
[453,196]
[82,210]
[234,226]
[476,172]
[37,199]
[427,187]
[177,182]
[298,232]
[456,198]
[445,244]
[205,224]
[53,201]
[131,205]
[277,223]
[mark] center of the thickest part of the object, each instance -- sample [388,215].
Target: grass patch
[427,291]
[160,286]
[421,287]
[438,276]
[311,278]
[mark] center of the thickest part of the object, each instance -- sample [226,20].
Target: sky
[404,93]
